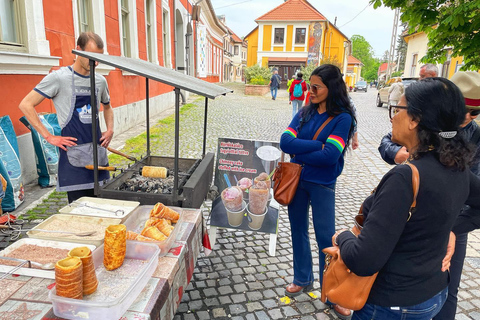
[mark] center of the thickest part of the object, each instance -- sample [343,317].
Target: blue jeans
[322,200]
[422,311]
[450,307]
[273,91]
[296,105]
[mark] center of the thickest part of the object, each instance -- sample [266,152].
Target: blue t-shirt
[322,158]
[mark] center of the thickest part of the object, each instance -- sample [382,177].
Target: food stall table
[23,297]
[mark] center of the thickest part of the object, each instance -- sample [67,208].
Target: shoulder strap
[416,186]
[321,127]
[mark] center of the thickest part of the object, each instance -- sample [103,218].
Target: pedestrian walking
[274,84]
[69,88]
[469,84]
[322,162]
[289,83]
[407,247]
[395,92]
[296,93]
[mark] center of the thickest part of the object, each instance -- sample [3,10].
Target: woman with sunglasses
[322,160]
[408,250]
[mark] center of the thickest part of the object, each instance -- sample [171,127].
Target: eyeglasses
[474,112]
[393,110]
[316,87]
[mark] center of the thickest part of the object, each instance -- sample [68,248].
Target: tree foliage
[447,23]
[307,71]
[363,51]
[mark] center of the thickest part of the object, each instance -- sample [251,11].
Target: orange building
[38,36]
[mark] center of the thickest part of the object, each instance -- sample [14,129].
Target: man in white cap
[469,84]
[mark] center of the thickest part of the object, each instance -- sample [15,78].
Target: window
[149,28]
[85,16]
[11,26]
[279,35]
[165,39]
[414,65]
[236,50]
[300,35]
[125,28]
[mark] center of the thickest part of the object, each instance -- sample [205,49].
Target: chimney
[335,22]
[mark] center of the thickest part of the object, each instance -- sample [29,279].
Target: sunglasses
[393,110]
[473,112]
[316,87]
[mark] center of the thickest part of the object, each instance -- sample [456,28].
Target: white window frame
[152,48]
[295,36]
[414,64]
[132,28]
[167,56]
[36,59]
[273,36]
[98,20]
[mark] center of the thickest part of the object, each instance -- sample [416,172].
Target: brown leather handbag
[340,285]
[287,175]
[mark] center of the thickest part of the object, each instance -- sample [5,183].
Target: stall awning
[158,73]
[287,61]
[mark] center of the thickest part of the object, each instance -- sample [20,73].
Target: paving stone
[203,315]
[252,306]
[238,297]
[225,290]
[236,309]
[254,295]
[275,314]
[219,312]
[224,300]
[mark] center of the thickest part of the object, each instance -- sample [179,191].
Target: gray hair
[429,67]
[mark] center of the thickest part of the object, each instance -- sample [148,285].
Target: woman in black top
[408,254]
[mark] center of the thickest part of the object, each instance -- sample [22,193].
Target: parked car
[382,95]
[360,86]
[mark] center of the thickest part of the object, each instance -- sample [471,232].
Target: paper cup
[255,221]
[257,200]
[235,218]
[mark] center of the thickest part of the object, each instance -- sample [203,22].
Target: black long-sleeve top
[408,255]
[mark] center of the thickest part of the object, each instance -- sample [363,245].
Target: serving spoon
[46,266]
[78,234]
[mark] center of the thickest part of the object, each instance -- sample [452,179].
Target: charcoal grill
[191,177]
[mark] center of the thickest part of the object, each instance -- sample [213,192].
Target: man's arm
[27,106]
[391,152]
[107,135]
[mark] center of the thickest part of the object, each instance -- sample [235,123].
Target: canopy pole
[147,95]
[177,134]
[93,104]
[205,128]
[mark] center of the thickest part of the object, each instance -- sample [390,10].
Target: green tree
[363,51]
[307,71]
[258,75]
[447,23]
[401,48]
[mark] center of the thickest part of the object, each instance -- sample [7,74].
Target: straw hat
[469,84]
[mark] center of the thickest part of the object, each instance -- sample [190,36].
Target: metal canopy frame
[161,74]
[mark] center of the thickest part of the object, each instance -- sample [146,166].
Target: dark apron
[72,174]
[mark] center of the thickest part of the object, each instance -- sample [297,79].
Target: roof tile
[293,10]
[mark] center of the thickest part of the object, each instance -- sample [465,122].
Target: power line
[355,16]
[233,4]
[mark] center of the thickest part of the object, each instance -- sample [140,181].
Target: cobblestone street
[239,280]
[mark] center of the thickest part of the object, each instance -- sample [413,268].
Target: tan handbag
[287,175]
[340,285]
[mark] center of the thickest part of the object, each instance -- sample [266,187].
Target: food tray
[136,221]
[115,293]
[73,220]
[25,271]
[108,204]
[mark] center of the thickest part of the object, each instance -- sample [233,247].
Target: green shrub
[261,75]
[307,71]
[259,81]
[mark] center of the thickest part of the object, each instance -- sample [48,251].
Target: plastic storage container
[136,222]
[117,289]
[26,271]
[69,223]
[101,207]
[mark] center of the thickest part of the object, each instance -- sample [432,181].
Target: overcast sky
[374,25]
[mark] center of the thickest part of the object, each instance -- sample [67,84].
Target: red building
[37,37]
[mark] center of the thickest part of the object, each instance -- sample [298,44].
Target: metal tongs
[79,205]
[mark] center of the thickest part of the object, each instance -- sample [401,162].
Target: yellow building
[417,46]
[354,69]
[294,34]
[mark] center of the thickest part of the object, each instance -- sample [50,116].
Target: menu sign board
[243,172]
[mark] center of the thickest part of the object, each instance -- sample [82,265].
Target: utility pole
[392,44]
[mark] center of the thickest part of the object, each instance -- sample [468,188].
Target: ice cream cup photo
[244,184]
[255,221]
[235,218]
[258,197]
[232,198]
